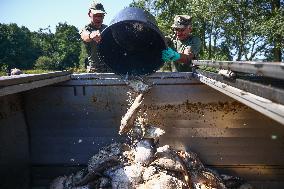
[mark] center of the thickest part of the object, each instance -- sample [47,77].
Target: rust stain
[199,107]
[157,113]
[94,99]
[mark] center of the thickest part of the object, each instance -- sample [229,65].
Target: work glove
[169,55]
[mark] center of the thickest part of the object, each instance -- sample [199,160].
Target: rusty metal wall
[72,120]
[14,144]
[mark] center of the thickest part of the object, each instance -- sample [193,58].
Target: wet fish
[191,160]
[58,183]
[163,181]
[127,121]
[111,154]
[144,151]
[150,131]
[171,160]
[138,85]
[127,177]
[207,178]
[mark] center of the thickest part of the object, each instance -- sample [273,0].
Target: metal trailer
[51,124]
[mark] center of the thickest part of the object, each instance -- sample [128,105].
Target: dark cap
[182,21]
[97,8]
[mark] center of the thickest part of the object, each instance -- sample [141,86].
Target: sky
[36,14]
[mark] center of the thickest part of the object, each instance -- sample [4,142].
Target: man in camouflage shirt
[91,36]
[184,47]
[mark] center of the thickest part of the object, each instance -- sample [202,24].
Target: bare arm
[186,56]
[88,36]
[85,36]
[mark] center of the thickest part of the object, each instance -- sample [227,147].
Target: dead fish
[104,182]
[70,181]
[16,71]
[150,131]
[146,131]
[144,151]
[191,160]
[233,181]
[169,159]
[149,172]
[108,155]
[127,121]
[138,85]
[246,186]
[58,183]
[207,179]
[126,177]
[163,181]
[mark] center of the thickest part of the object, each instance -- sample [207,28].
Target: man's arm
[185,57]
[85,36]
[191,52]
[88,36]
[171,55]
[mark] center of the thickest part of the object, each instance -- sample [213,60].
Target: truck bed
[53,130]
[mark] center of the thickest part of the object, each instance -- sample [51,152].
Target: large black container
[132,43]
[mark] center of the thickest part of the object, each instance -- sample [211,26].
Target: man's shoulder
[194,39]
[104,26]
[90,27]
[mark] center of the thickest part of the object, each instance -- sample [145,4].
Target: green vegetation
[42,50]
[247,30]
[228,28]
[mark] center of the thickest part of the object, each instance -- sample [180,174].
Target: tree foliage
[26,50]
[229,29]
[242,29]
[16,47]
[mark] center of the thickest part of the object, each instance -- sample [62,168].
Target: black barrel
[132,43]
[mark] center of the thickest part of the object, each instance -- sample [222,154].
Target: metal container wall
[14,144]
[70,121]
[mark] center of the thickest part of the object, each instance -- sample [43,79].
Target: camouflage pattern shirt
[192,43]
[91,49]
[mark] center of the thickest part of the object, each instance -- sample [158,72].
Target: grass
[2,73]
[36,71]
[39,71]
[208,69]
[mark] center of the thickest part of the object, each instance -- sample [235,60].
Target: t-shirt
[193,43]
[91,49]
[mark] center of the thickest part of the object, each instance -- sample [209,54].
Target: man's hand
[170,55]
[96,36]
[187,51]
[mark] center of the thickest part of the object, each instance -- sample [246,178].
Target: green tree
[249,29]
[16,47]
[60,50]
[68,46]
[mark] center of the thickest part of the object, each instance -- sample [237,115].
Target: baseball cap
[182,21]
[97,8]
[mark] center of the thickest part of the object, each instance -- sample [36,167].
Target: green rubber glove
[169,55]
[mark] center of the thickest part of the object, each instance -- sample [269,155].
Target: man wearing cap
[91,36]
[183,46]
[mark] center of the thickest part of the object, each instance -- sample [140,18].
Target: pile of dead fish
[142,164]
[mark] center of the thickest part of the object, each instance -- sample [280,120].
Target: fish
[164,181]
[144,151]
[127,121]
